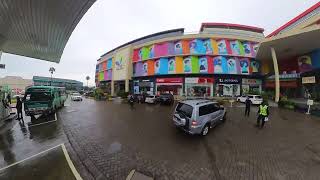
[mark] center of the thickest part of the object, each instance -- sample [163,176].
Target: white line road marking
[30,157]
[71,165]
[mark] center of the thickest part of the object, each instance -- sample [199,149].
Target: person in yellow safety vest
[263,113]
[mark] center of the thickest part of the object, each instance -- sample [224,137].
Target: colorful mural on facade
[305,63]
[244,65]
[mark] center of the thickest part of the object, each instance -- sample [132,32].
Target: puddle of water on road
[114,147]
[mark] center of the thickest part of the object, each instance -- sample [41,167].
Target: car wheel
[224,118]
[205,130]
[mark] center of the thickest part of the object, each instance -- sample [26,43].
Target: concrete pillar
[276,74]
[0,55]
[126,85]
[112,88]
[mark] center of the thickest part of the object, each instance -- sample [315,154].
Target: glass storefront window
[229,90]
[172,89]
[199,90]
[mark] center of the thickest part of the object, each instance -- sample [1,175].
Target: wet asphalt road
[108,139]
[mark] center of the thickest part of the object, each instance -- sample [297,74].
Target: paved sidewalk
[112,139]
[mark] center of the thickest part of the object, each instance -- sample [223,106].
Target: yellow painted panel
[179,65]
[214,45]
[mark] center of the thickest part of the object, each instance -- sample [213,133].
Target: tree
[51,70]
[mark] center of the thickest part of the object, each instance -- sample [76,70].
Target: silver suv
[198,116]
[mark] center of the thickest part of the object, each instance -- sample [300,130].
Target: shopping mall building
[220,60]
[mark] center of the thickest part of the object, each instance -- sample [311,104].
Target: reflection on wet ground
[20,140]
[49,165]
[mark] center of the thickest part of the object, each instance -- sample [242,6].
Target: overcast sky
[110,23]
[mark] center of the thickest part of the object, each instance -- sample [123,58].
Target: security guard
[263,113]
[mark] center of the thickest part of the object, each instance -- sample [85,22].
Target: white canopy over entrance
[39,28]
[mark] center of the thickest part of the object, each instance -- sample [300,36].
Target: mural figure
[235,47]
[193,47]
[244,65]
[140,54]
[145,69]
[255,48]
[231,64]
[172,66]
[187,65]
[203,64]
[157,67]
[255,66]
[178,48]
[305,63]
[151,52]
[218,65]
[207,46]
[119,64]
[247,49]
[222,47]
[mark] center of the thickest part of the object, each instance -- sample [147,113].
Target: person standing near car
[263,114]
[248,104]
[19,108]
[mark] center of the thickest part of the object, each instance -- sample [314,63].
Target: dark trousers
[20,115]
[247,111]
[260,118]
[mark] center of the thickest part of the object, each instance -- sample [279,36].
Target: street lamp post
[51,70]
[88,78]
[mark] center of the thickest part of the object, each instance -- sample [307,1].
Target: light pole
[51,70]
[88,78]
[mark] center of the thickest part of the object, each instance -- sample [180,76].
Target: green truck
[43,100]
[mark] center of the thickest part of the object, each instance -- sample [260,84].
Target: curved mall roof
[39,28]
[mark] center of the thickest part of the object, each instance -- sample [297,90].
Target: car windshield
[38,96]
[76,94]
[258,97]
[184,109]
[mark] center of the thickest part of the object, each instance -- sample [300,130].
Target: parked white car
[76,97]
[151,99]
[255,99]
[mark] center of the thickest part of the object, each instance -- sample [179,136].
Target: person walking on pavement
[19,108]
[248,104]
[131,101]
[263,114]
[9,98]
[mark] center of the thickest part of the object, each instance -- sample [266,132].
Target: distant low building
[69,84]
[16,83]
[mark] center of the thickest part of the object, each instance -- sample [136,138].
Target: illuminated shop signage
[169,80]
[198,80]
[228,80]
[251,81]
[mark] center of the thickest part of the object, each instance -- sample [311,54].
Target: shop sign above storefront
[198,80]
[251,81]
[228,80]
[309,80]
[169,80]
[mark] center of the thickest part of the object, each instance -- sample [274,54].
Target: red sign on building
[169,80]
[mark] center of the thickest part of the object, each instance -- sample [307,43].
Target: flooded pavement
[50,164]
[21,140]
[107,140]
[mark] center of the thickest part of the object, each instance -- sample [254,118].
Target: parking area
[111,139]
[106,140]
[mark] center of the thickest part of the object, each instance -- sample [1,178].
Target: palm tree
[51,70]
[88,78]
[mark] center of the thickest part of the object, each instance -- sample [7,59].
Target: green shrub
[123,94]
[98,93]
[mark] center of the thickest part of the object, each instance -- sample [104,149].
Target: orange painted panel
[179,65]
[150,67]
[185,47]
